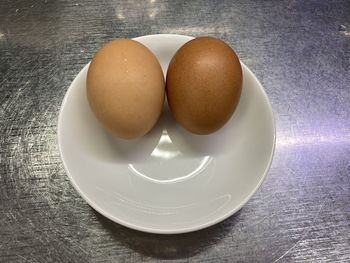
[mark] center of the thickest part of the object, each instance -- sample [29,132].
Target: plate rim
[153,230]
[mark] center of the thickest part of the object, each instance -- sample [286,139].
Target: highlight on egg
[204,84]
[125,88]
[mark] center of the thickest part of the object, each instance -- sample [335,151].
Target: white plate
[169,181]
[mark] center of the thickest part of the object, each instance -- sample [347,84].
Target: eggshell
[125,88]
[204,84]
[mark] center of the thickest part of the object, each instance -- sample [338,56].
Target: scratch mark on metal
[304,235]
[25,259]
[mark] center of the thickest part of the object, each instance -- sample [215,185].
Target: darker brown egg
[204,84]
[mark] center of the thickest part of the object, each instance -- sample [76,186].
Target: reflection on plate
[169,181]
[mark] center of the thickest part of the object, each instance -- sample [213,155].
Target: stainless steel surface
[300,50]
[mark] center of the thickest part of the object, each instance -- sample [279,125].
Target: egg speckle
[125,88]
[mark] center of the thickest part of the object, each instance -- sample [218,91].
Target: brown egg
[204,83]
[125,88]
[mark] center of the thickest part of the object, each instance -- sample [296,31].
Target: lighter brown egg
[125,88]
[204,83]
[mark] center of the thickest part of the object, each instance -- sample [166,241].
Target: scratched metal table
[300,52]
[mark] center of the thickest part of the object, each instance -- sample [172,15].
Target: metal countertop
[300,51]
